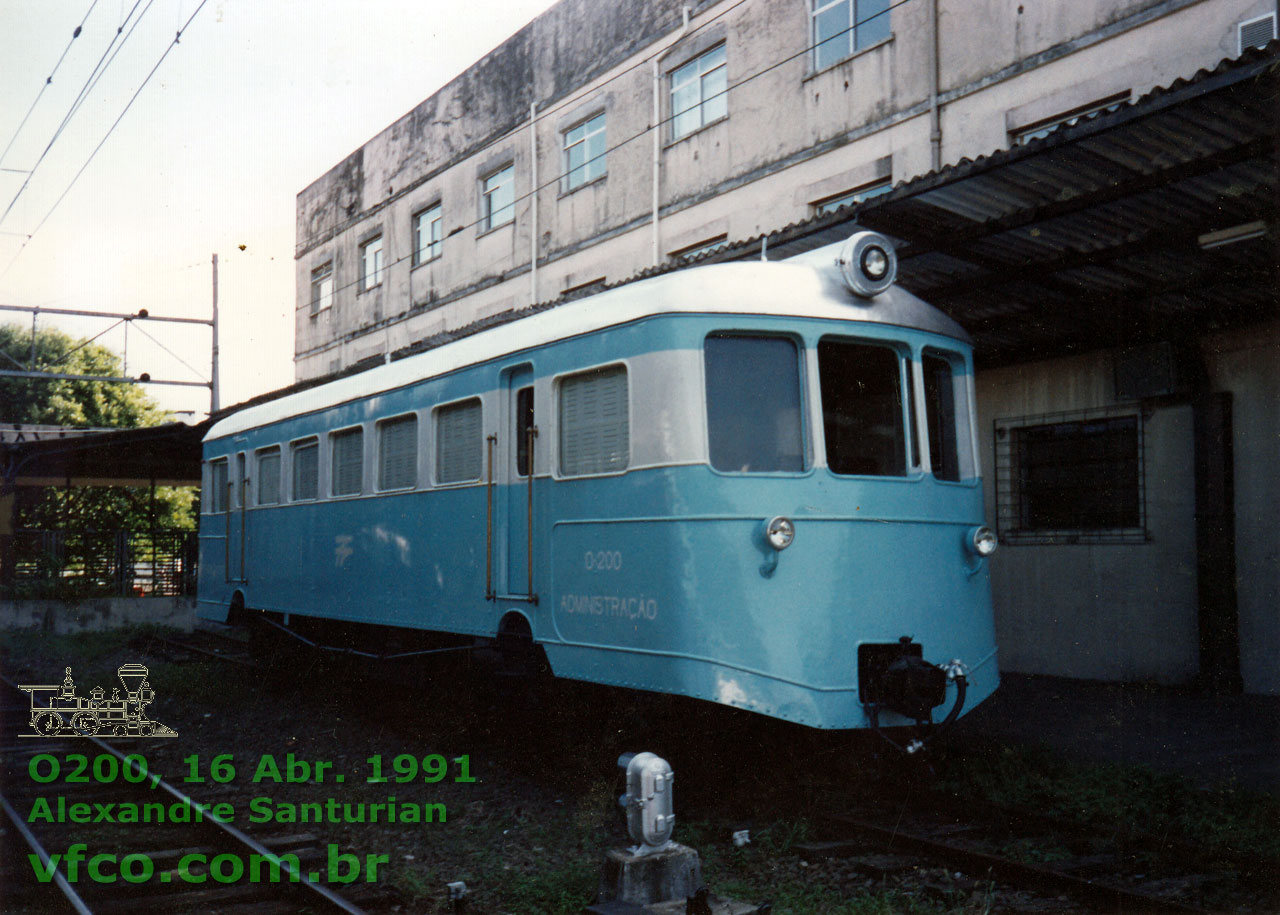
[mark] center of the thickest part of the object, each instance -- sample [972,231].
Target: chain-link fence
[77,564]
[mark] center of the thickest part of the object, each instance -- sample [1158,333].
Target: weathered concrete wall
[791,136]
[57,617]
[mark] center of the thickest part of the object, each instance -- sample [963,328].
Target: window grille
[1071,478]
[594,424]
[459,442]
[306,470]
[699,92]
[348,462]
[269,476]
[398,453]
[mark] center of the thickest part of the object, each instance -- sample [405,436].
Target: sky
[256,100]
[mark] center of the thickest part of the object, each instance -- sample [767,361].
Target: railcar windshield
[862,412]
[753,404]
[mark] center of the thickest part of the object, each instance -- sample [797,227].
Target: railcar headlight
[868,263]
[983,541]
[779,532]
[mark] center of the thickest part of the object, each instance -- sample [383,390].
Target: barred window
[594,425]
[306,469]
[398,453]
[217,497]
[459,442]
[348,461]
[1071,478]
[268,476]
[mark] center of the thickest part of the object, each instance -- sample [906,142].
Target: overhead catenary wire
[554,181]
[47,83]
[106,136]
[89,82]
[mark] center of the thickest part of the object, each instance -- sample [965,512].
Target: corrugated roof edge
[1228,71]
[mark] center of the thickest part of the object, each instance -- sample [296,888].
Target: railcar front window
[940,411]
[862,414]
[753,404]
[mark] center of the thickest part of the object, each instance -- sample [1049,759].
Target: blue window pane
[753,404]
[873,22]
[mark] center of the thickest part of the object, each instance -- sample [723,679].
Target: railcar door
[517,482]
[237,520]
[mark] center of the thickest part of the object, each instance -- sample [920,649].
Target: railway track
[1024,851]
[184,860]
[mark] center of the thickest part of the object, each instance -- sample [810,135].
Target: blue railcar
[743,482]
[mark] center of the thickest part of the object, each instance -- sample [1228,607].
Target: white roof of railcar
[805,286]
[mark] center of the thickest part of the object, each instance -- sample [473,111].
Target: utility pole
[215,393]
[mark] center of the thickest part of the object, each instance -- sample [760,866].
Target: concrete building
[606,139]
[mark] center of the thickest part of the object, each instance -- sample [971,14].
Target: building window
[584,152]
[218,487]
[862,409]
[594,426]
[459,442]
[842,27]
[322,288]
[699,92]
[1071,478]
[850,197]
[306,469]
[268,476]
[753,404]
[693,252]
[371,263]
[428,235]
[1042,128]
[499,198]
[347,455]
[398,453]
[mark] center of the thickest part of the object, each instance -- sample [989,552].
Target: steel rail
[30,838]
[1106,895]
[296,878]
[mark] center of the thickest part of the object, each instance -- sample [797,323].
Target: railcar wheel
[49,723]
[86,723]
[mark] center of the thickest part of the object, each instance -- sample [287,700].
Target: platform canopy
[167,455]
[1154,221]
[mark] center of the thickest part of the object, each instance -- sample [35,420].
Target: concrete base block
[675,873]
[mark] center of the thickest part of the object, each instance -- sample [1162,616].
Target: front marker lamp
[779,532]
[868,263]
[982,541]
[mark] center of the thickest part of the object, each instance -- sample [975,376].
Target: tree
[89,404]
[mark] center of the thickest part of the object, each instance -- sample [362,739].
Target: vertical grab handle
[244,523]
[231,490]
[530,434]
[488,521]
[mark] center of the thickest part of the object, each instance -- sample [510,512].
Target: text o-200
[76,768]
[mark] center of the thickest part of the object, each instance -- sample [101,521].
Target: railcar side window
[348,461]
[268,476]
[753,404]
[398,453]
[595,434]
[459,442]
[862,413]
[306,469]
[940,411]
[217,498]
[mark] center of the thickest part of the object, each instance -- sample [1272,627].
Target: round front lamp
[868,264]
[982,541]
[779,532]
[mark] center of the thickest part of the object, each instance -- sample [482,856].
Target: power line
[110,131]
[66,119]
[661,123]
[48,82]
